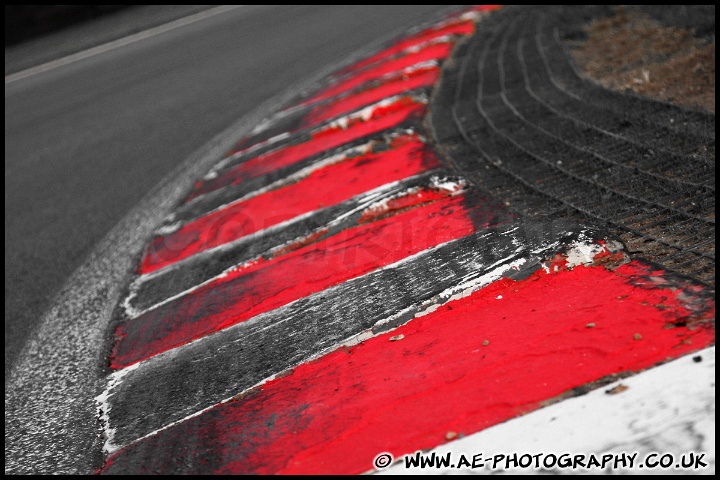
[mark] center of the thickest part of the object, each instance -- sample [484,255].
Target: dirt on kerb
[632,51]
[661,52]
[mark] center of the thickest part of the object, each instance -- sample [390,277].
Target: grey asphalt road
[86,141]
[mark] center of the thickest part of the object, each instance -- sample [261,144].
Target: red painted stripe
[436,51]
[484,8]
[471,364]
[323,187]
[454,27]
[263,286]
[325,138]
[396,84]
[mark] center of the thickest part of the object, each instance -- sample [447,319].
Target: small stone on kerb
[618,389]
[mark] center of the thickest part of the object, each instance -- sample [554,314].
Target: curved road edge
[51,423]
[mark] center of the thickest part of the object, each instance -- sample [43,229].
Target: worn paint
[323,187]
[439,186]
[207,204]
[434,51]
[243,355]
[271,284]
[242,150]
[461,26]
[251,434]
[383,115]
[394,205]
[423,76]
[333,415]
[285,176]
[163,285]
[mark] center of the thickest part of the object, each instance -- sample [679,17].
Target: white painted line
[667,409]
[120,42]
[104,406]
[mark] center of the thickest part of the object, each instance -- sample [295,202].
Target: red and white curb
[333,291]
[667,409]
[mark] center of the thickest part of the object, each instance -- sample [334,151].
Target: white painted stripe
[667,409]
[121,42]
[104,406]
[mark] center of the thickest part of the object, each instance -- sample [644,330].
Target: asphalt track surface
[85,142]
[462,258]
